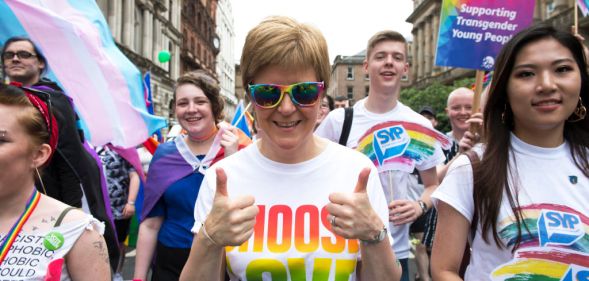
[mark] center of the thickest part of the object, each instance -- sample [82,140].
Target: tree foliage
[434,95]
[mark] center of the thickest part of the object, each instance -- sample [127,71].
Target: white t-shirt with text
[292,238]
[29,259]
[553,197]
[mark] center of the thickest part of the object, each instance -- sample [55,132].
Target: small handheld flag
[240,119]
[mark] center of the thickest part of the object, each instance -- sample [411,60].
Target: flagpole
[476,102]
[576,26]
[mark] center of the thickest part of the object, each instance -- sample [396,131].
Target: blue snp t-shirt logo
[576,273]
[390,142]
[559,228]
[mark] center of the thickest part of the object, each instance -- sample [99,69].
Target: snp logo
[576,273]
[390,142]
[559,228]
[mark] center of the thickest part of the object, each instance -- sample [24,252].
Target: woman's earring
[580,112]
[504,113]
[41,181]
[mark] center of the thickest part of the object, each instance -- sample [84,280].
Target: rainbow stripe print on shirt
[293,243]
[400,145]
[556,247]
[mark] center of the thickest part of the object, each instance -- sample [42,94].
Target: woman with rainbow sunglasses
[291,206]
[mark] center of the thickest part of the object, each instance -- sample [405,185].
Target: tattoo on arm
[102,251]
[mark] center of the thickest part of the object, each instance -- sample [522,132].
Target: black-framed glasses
[20,54]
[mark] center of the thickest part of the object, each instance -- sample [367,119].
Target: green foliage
[434,95]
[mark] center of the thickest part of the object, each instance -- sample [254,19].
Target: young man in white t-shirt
[382,128]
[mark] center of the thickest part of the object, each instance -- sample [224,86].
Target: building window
[366,77]
[405,78]
[350,75]
[366,90]
[350,92]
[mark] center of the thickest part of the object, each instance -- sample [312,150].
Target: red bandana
[50,121]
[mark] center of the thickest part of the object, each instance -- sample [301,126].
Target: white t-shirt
[28,258]
[554,199]
[404,146]
[291,240]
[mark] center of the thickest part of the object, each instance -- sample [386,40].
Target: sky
[346,25]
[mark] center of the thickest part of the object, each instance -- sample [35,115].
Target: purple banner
[472,32]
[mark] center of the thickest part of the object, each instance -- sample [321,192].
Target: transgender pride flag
[107,89]
[584,6]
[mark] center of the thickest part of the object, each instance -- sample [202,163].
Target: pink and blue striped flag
[584,6]
[107,89]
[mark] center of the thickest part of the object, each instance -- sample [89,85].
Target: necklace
[20,222]
[205,138]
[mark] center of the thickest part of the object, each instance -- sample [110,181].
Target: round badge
[53,240]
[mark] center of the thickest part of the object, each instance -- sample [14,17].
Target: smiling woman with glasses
[292,206]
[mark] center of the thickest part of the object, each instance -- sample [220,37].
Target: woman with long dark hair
[527,210]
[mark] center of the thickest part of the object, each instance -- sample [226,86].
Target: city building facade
[225,66]
[426,18]
[240,92]
[348,78]
[142,29]
[200,44]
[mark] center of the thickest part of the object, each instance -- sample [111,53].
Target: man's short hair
[385,35]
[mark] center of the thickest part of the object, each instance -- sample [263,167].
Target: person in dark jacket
[73,175]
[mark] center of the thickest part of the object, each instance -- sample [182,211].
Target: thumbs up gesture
[351,215]
[231,220]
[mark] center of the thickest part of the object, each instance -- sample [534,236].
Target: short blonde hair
[385,35]
[284,42]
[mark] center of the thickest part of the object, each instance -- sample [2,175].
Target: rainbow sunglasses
[302,94]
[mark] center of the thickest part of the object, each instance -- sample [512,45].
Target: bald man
[459,109]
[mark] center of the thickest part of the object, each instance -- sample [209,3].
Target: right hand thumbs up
[221,183]
[231,220]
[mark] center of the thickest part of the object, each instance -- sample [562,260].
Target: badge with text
[53,240]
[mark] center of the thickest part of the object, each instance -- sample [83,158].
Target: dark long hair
[493,174]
